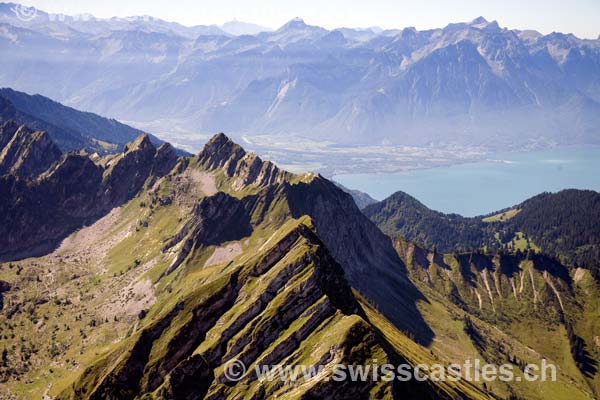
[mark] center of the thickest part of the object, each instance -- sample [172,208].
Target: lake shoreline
[498,181]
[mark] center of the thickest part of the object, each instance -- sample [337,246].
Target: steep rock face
[221,153]
[74,192]
[367,255]
[270,197]
[284,299]
[25,153]
[164,159]
[278,296]
[495,282]
[125,174]
[286,302]
[7,131]
[289,305]
[216,219]
[61,200]
[4,287]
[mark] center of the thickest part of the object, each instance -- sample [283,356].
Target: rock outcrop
[4,287]
[269,196]
[74,192]
[216,219]
[494,283]
[25,153]
[290,304]
[247,169]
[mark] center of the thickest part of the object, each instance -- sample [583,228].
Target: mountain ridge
[170,267]
[25,153]
[451,85]
[73,192]
[72,129]
[539,222]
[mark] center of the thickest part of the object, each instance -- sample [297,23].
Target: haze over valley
[416,98]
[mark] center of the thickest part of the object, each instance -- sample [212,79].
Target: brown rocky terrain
[74,192]
[25,153]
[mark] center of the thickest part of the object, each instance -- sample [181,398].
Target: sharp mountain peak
[296,22]
[24,152]
[220,152]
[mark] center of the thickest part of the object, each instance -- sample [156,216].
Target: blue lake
[483,187]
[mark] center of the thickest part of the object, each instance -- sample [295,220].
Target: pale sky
[581,17]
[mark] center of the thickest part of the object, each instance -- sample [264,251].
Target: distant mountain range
[66,25]
[237,28]
[469,83]
[71,129]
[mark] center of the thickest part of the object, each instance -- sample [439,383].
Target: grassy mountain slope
[287,304]
[222,256]
[512,308]
[271,196]
[518,270]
